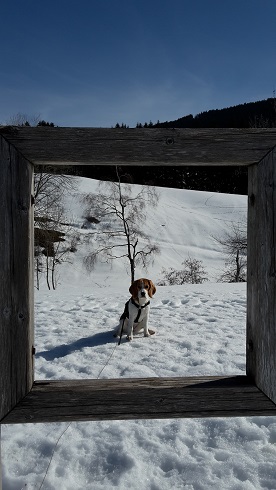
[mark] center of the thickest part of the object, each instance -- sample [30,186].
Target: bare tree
[193,272]
[50,188]
[55,239]
[51,222]
[121,213]
[22,119]
[234,246]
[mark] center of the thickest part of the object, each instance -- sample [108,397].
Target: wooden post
[16,277]
[261,293]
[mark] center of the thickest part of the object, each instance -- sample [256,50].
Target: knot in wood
[170,141]
[7,312]
[252,199]
[22,206]
[250,345]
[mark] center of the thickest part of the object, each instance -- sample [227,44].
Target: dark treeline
[260,114]
[231,180]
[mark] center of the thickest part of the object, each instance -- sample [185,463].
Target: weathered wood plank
[98,146]
[16,277]
[118,399]
[261,309]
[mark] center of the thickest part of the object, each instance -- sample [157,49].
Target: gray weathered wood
[16,277]
[261,309]
[98,146]
[118,399]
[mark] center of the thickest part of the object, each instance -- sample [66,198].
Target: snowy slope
[184,223]
[200,330]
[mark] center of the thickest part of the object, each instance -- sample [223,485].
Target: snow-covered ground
[200,330]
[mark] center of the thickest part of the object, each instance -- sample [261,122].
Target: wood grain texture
[261,309]
[98,146]
[156,398]
[16,277]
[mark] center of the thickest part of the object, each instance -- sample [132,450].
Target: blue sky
[98,62]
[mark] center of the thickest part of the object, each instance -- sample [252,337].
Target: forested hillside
[261,114]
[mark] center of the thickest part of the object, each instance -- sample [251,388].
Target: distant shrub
[193,272]
[92,219]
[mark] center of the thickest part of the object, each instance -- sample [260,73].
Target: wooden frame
[25,400]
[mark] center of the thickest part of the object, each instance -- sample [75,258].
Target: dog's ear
[152,288]
[134,289]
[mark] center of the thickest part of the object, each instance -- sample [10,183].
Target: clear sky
[98,62]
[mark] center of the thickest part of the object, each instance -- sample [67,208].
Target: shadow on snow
[64,350]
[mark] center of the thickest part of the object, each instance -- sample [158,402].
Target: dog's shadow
[66,349]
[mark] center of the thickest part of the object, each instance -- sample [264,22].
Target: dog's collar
[139,306]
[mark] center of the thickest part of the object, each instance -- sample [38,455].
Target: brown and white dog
[136,312]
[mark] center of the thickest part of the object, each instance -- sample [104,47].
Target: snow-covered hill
[184,223]
[200,330]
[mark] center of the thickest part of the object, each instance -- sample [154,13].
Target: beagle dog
[136,312]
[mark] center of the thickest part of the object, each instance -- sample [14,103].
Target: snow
[200,330]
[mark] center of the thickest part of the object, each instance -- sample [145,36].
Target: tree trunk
[238,269]
[132,269]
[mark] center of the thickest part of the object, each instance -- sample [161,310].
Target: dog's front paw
[129,337]
[146,334]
